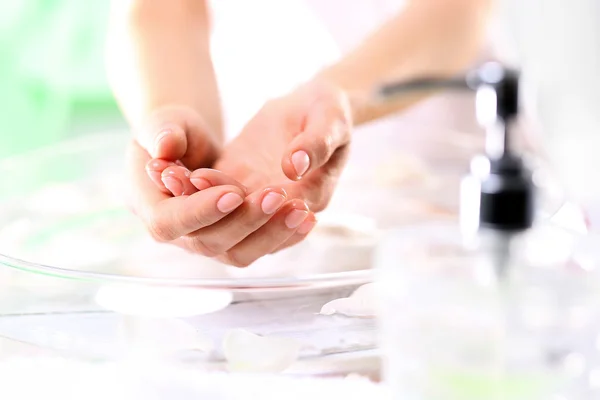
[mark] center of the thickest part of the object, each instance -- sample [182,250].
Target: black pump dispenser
[507,191]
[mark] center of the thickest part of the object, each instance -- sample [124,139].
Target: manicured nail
[157,165]
[229,202]
[306,227]
[271,202]
[159,138]
[174,185]
[295,218]
[200,183]
[301,162]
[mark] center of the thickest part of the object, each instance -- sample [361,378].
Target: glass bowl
[80,276]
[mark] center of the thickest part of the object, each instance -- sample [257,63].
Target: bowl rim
[93,142]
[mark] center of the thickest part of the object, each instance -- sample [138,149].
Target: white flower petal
[360,304]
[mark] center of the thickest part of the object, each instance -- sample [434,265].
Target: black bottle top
[507,201]
[507,197]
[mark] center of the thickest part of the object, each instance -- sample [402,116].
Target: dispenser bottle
[494,308]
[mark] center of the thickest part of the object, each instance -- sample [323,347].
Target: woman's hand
[288,158]
[212,214]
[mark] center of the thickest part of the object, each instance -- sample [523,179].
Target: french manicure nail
[173,184]
[229,202]
[295,218]
[301,162]
[306,227]
[271,202]
[200,183]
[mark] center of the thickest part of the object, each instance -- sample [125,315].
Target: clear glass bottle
[488,317]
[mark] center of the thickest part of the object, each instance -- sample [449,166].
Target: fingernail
[200,183]
[159,138]
[301,162]
[173,184]
[156,165]
[229,202]
[272,202]
[306,227]
[295,218]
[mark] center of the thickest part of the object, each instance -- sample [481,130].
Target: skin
[288,157]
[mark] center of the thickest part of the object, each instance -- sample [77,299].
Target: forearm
[158,54]
[428,37]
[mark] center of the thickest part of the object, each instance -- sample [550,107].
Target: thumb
[326,130]
[169,143]
[163,138]
[179,134]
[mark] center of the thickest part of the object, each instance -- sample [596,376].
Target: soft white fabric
[26,379]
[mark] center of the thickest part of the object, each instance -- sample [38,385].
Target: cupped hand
[221,220]
[296,147]
[217,217]
[266,221]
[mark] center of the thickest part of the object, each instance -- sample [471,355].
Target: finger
[317,189]
[327,129]
[266,239]
[205,177]
[155,168]
[179,216]
[177,180]
[143,191]
[178,133]
[256,210]
[164,136]
[169,217]
[301,233]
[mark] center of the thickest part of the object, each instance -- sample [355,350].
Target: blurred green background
[52,81]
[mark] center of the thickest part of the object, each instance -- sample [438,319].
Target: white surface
[147,338]
[29,379]
[248,352]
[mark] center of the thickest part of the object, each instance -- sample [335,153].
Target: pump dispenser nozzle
[506,191]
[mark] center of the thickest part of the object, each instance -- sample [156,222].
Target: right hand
[216,217]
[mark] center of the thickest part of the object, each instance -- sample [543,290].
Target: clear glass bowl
[79,275]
